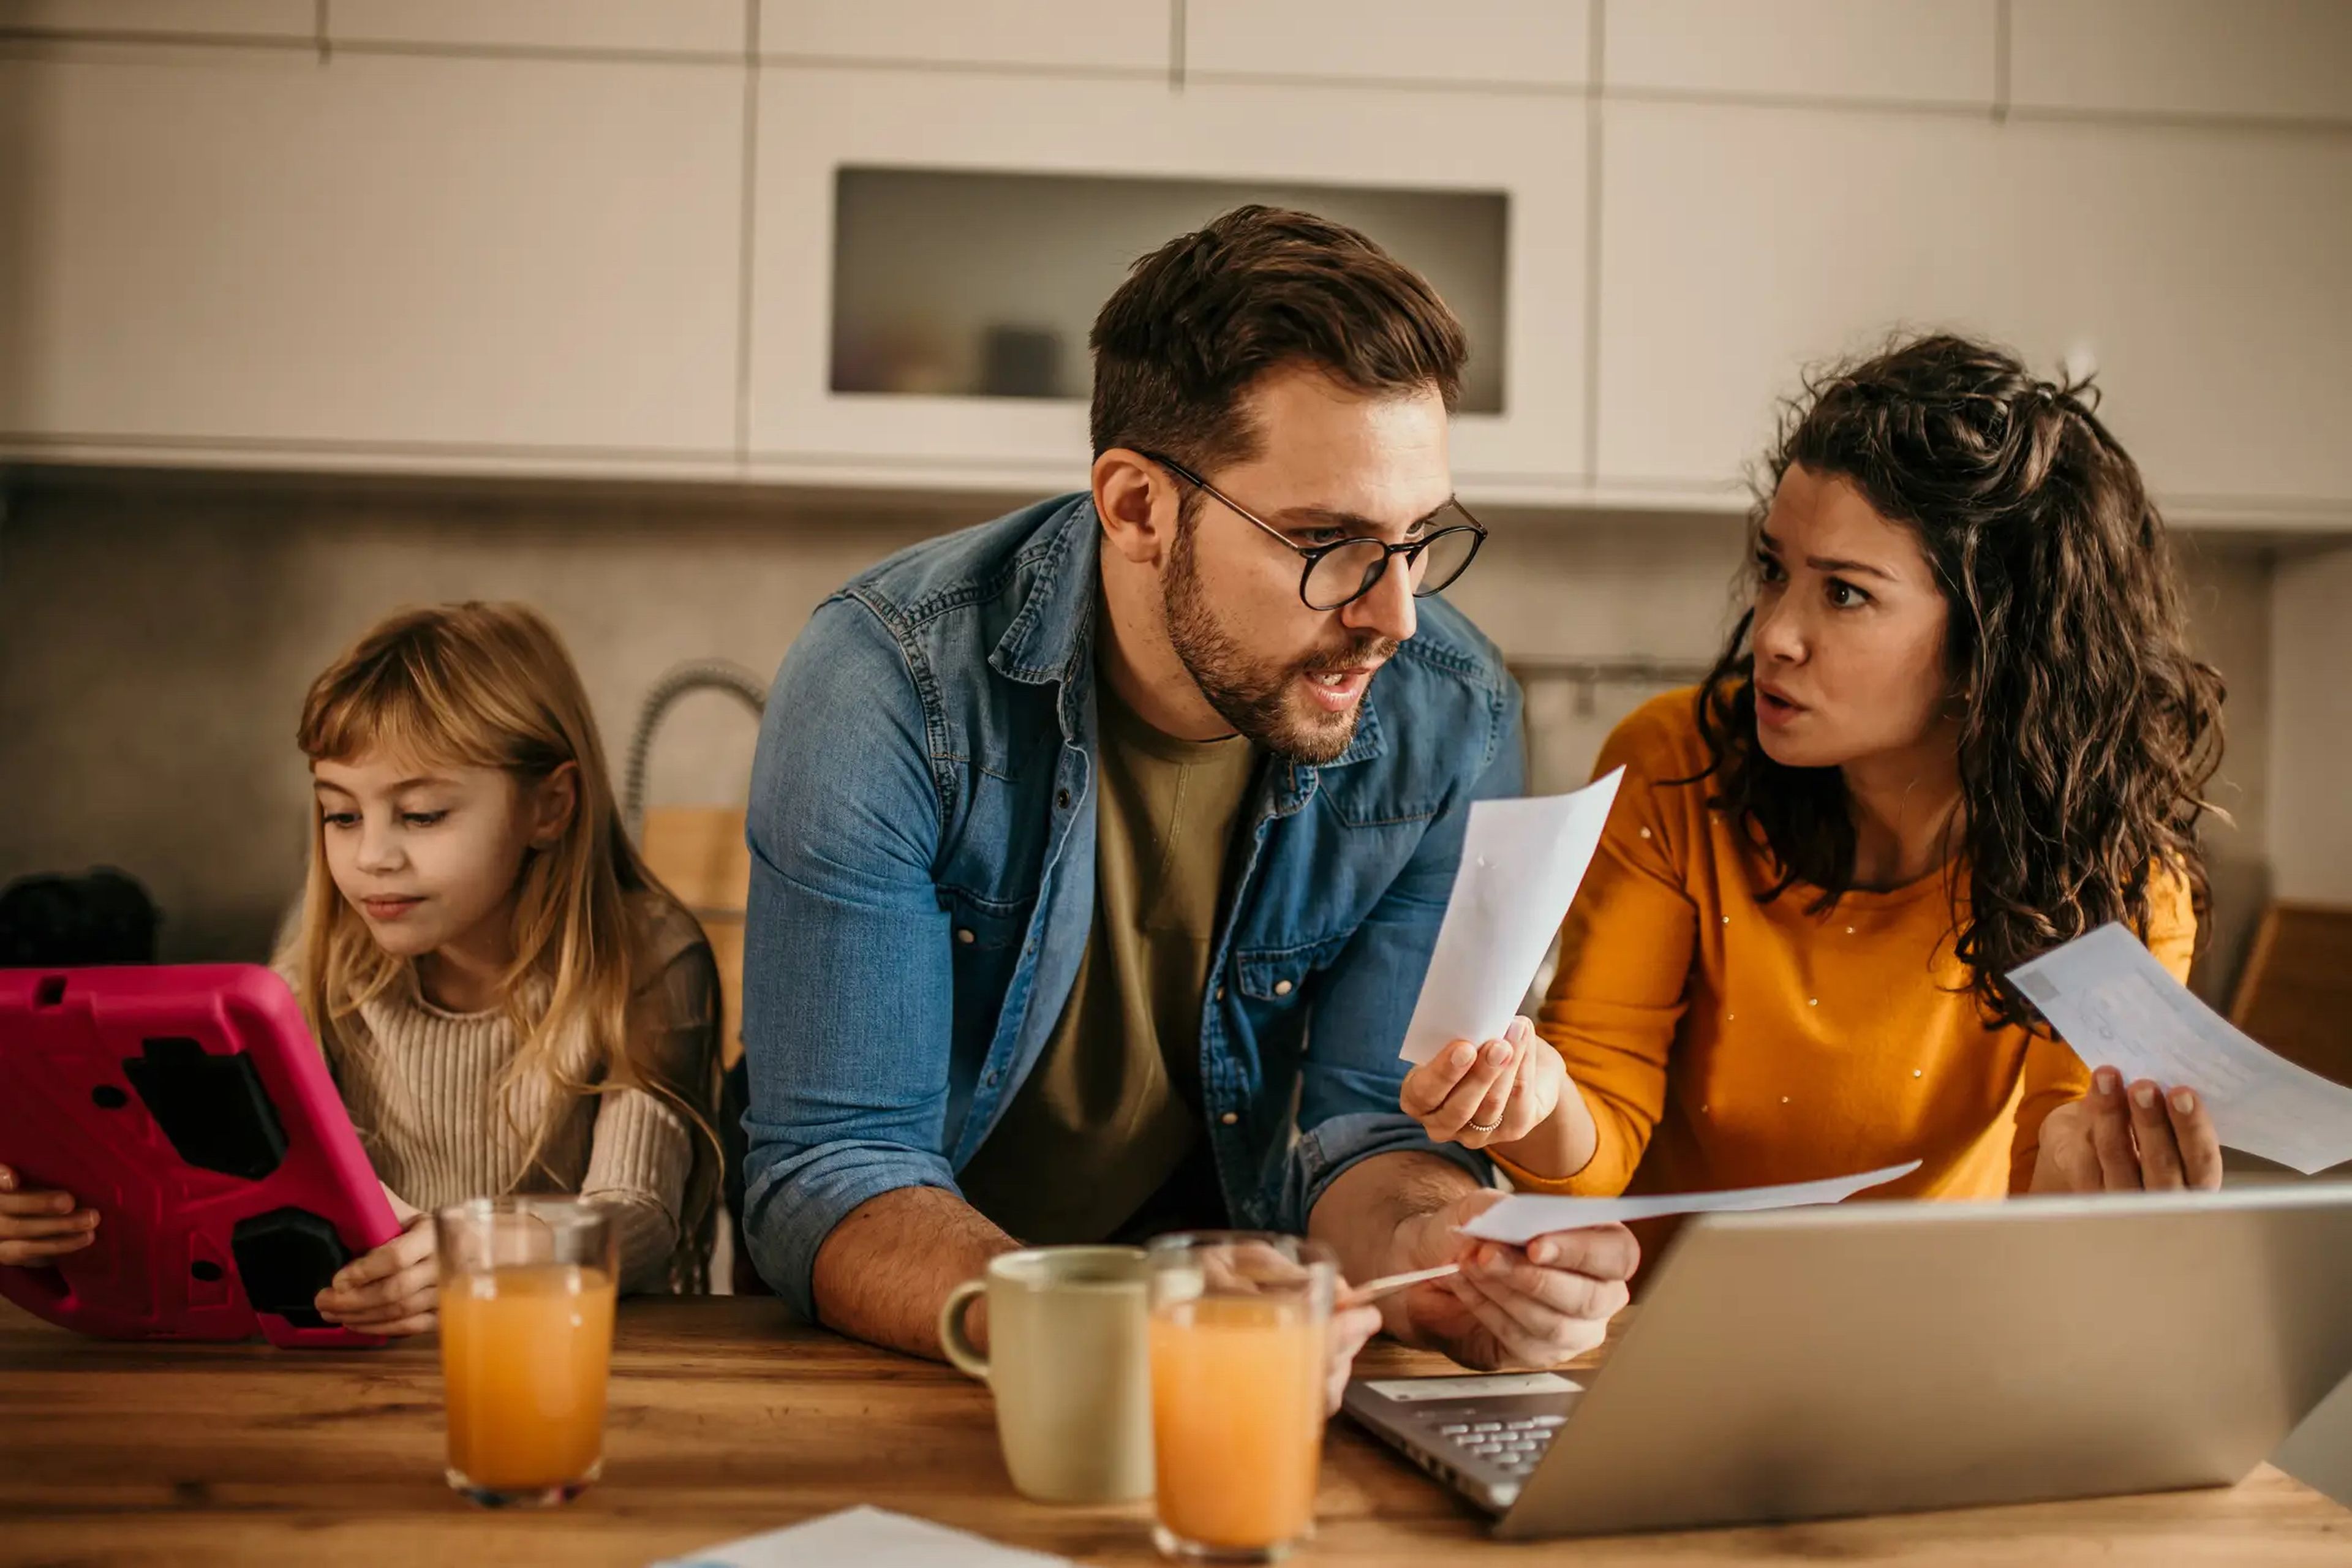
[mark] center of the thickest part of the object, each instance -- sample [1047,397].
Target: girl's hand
[1351,1329]
[2151,1138]
[1481,1095]
[36,1225]
[390,1291]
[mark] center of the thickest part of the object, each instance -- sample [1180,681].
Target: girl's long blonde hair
[491,686]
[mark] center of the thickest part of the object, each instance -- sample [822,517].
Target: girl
[1958,724]
[507,999]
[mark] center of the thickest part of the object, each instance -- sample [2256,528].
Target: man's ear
[1136,500]
[554,804]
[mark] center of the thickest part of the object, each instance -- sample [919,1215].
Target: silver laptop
[1882,1357]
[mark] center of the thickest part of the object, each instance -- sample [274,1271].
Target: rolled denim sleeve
[847,983]
[1351,1077]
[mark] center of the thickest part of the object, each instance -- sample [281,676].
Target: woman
[1958,725]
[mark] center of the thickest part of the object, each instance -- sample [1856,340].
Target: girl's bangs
[386,710]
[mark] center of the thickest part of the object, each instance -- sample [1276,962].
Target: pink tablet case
[190,1107]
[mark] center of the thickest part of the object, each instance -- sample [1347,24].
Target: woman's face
[1849,632]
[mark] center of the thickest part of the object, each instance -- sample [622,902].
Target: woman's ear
[554,805]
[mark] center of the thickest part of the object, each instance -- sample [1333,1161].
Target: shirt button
[1282,988]
[964,935]
[1063,800]
[1221,993]
[1229,1119]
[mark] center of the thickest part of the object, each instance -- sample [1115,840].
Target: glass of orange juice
[1237,1330]
[526,1306]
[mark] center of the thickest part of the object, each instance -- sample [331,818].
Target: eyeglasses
[1339,574]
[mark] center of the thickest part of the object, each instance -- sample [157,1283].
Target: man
[1098,851]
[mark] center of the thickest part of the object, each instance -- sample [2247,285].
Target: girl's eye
[1844,595]
[342,819]
[422,818]
[1767,567]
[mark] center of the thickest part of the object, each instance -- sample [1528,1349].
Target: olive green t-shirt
[1111,1110]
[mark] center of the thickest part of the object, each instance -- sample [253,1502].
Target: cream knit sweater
[421,1084]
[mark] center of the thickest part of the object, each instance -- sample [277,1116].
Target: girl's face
[1849,632]
[430,855]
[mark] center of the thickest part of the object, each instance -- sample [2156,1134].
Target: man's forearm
[885,1270]
[1363,1216]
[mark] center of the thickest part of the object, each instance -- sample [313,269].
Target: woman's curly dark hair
[2090,730]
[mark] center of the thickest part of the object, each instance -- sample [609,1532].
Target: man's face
[1332,463]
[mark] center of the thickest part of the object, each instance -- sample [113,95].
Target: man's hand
[2150,1139]
[1510,1307]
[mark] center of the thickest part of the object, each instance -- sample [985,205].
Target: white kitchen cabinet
[1901,51]
[1741,245]
[242,248]
[1094,35]
[1738,244]
[1529,150]
[659,26]
[1468,41]
[2252,59]
[2208,278]
[275,20]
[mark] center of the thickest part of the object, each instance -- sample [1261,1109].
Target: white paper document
[864,1538]
[2109,999]
[1522,1216]
[1521,862]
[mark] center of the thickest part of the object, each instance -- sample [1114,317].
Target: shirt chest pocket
[977,925]
[984,938]
[1281,978]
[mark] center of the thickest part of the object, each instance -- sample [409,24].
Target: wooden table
[727,1420]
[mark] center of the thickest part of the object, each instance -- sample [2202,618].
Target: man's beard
[1253,696]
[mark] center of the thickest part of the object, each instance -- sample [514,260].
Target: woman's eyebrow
[1829,563]
[1863,568]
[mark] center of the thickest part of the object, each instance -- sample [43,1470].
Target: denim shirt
[922,837]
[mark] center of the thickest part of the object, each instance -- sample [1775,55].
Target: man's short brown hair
[1206,314]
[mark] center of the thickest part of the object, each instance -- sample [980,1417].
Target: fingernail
[7,1180]
[1539,1253]
[62,1202]
[1501,1052]
[2183,1102]
[2144,1097]
[2106,1080]
[1464,1056]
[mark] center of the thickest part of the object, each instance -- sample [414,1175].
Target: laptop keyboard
[1515,1446]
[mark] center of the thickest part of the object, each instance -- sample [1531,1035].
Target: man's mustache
[1359,654]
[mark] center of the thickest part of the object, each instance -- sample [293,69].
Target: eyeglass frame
[1313,555]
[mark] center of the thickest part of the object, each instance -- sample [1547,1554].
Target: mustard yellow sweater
[1722,1041]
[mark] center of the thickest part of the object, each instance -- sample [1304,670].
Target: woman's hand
[38,1226]
[1495,1093]
[2112,1140]
[390,1291]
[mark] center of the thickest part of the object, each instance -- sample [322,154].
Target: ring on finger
[1487,1126]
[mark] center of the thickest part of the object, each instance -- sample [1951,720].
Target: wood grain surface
[728,1418]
